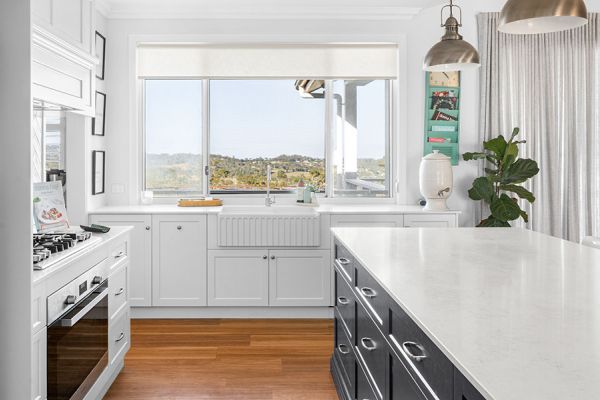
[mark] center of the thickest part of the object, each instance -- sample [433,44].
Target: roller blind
[289,61]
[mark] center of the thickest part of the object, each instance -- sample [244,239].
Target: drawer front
[346,263]
[345,355]
[373,296]
[463,390]
[117,291]
[118,252]
[118,337]
[418,351]
[345,304]
[401,385]
[364,391]
[372,348]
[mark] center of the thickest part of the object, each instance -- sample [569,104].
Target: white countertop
[517,312]
[322,208]
[115,231]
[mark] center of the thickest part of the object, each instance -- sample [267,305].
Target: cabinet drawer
[372,348]
[345,304]
[118,337]
[117,291]
[345,355]
[418,351]
[118,250]
[364,391]
[346,263]
[401,385]
[463,390]
[373,296]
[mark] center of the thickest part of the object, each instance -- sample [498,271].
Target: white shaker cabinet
[431,221]
[68,20]
[238,278]
[299,278]
[140,254]
[38,365]
[179,260]
[62,53]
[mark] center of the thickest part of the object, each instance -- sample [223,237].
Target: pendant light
[542,16]
[452,53]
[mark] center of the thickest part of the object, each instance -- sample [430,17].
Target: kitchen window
[217,136]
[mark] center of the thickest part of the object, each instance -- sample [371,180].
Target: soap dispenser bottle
[300,192]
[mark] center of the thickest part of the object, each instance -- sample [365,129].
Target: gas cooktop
[49,248]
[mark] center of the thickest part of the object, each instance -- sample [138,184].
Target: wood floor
[227,359]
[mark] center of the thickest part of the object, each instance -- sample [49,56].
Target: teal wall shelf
[442,114]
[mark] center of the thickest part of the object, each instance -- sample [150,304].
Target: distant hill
[183,171]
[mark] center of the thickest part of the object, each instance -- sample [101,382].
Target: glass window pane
[173,126]
[361,163]
[254,123]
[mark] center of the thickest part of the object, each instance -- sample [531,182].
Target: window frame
[328,154]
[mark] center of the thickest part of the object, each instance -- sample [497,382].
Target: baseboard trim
[231,312]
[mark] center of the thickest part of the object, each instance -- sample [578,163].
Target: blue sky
[252,118]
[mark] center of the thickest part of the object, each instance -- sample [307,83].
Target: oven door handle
[99,296]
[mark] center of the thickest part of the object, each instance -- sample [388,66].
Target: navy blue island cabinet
[380,353]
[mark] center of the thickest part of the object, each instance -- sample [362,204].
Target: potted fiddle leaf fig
[503,180]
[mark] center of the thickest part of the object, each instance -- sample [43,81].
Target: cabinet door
[238,278]
[299,278]
[178,260]
[431,221]
[38,366]
[139,253]
[69,20]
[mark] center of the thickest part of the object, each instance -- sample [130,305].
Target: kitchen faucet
[269,200]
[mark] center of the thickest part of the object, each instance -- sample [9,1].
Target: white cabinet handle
[120,292]
[121,336]
[121,254]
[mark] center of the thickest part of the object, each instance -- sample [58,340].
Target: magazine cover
[49,211]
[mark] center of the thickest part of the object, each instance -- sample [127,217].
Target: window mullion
[206,135]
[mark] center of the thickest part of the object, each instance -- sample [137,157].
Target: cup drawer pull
[343,261]
[343,301]
[121,336]
[342,348]
[368,344]
[368,292]
[120,292]
[407,346]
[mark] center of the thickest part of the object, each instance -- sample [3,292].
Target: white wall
[15,199]
[421,33]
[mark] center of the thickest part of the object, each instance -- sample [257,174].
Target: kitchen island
[465,314]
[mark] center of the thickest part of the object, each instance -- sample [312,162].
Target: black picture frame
[101,54]
[98,171]
[99,121]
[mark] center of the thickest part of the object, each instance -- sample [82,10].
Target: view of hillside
[183,172]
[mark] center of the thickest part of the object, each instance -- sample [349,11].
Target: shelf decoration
[442,114]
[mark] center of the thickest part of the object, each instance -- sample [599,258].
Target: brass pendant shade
[542,16]
[452,53]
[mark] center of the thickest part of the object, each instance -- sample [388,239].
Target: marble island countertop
[517,312]
[321,208]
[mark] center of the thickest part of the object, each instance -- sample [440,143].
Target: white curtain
[549,86]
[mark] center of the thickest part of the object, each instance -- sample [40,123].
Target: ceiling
[265,9]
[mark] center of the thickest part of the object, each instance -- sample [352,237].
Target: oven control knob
[70,299]
[96,280]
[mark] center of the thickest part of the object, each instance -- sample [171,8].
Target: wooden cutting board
[199,203]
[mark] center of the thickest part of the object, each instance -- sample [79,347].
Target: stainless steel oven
[78,337]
